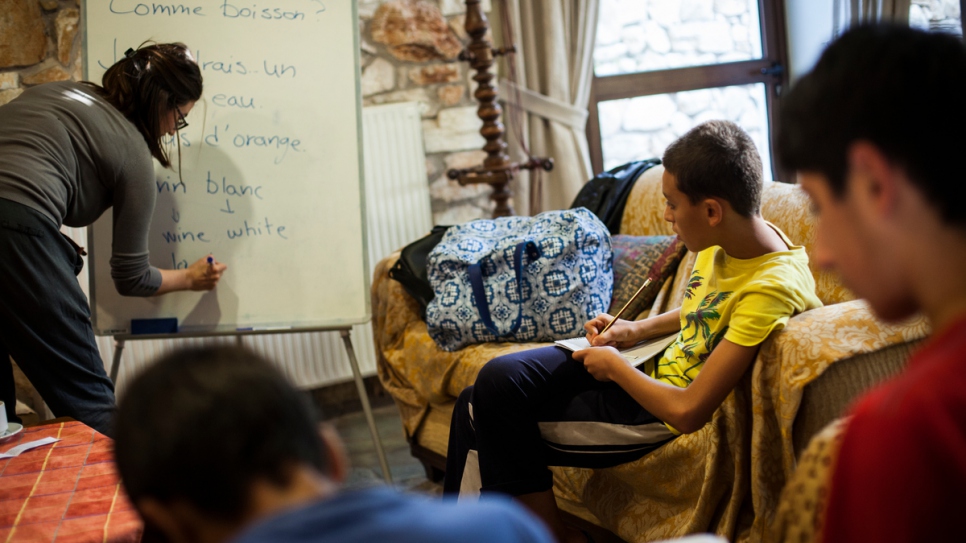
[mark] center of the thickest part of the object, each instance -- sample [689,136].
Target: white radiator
[398,212]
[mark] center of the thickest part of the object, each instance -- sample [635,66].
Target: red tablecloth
[67,491]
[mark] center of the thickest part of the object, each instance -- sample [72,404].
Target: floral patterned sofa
[726,478]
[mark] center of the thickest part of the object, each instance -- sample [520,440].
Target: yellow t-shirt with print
[741,300]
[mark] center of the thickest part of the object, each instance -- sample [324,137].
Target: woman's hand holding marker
[205,273]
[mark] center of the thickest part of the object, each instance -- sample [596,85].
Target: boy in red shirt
[867,132]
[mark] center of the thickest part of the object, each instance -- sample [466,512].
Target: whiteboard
[271,166]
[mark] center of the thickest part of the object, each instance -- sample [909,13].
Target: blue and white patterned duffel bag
[543,278]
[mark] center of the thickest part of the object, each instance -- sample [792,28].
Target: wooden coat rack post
[496,170]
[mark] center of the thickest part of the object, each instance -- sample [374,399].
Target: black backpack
[410,269]
[606,194]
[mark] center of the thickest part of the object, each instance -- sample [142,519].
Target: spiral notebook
[636,355]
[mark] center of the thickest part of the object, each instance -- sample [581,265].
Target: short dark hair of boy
[202,424]
[717,159]
[900,89]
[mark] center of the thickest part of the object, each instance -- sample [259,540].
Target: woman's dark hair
[148,84]
[898,88]
[717,159]
[202,424]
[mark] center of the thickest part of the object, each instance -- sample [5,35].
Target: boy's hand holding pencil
[604,330]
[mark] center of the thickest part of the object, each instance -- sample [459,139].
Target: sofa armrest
[790,360]
[831,394]
[801,508]
[393,312]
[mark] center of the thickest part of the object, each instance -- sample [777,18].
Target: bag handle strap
[475,272]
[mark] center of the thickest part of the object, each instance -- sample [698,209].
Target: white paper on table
[636,355]
[24,447]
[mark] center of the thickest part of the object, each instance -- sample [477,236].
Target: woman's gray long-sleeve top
[69,154]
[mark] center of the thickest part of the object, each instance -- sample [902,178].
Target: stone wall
[636,35]
[937,15]
[409,53]
[39,42]
[409,50]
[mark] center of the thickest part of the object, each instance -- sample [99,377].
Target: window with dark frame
[664,66]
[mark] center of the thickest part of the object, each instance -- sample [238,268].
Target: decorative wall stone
[463,213]
[697,10]
[367,8]
[451,7]
[694,102]
[715,37]
[465,159]
[638,36]
[730,8]
[428,107]
[458,26]
[378,76]
[403,76]
[432,168]
[936,15]
[454,203]
[414,30]
[952,9]
[649,113]
[450,95]
[665,13]
[46,75]
[8,95]
[437,73]
[66,24]
[22,38]
[455,129]
[657,38]
[449,191]
[10,80]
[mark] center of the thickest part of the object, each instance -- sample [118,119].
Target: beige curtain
[555,44]
[849,13]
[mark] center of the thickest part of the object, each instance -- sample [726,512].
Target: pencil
[628,304]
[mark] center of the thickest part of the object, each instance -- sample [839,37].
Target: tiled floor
[407,472]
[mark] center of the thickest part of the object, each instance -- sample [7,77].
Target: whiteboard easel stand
[345,332]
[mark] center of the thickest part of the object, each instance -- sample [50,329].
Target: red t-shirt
[901,470]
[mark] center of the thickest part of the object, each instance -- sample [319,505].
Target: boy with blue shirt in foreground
[548,406]
[215,445]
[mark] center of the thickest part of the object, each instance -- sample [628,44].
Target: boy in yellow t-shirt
[727,298]
[548,406]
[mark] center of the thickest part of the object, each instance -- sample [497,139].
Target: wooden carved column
[496,170]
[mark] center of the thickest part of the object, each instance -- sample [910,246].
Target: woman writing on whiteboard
[68,152]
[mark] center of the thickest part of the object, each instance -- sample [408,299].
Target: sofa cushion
[637,258]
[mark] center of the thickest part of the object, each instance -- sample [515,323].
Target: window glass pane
[937,16]
[638,128]
[647,35]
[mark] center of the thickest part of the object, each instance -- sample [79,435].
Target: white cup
[3,419]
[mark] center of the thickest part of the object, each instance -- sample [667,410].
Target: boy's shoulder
[386,514]
[715,261]
[784,275]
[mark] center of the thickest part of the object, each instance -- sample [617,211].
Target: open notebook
[636,355]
